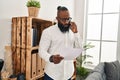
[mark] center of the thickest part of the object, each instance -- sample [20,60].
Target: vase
[33,11]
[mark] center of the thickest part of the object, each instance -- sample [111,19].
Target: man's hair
[61,8]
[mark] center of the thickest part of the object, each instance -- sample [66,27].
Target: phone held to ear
[69,24]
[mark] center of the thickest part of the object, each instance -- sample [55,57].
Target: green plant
[81,71]
[33,3]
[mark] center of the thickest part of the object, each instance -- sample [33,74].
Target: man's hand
[73,27]
[57,58]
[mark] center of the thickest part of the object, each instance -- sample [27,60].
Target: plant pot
[33,11]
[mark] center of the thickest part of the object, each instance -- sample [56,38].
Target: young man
[54,38]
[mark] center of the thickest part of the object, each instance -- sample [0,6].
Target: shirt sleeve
[44,46]
[78,40]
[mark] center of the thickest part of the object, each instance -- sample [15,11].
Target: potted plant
[81,71]
[33,7]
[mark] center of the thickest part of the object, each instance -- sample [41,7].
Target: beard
[63,28]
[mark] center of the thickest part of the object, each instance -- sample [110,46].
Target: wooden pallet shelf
[26,33]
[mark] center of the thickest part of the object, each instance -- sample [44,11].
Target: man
[63,34]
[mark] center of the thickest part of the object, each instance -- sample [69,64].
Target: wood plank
[17,70]
[42,66]
[13,32]
[28,64]
[14,42]
[23,60]
[34,65]
[29,30]
[14,58]
[18,31]
[8,60]
[39,68]
[23,32]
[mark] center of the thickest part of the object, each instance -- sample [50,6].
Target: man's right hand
[57,58]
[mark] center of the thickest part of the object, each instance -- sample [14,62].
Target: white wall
[49,8]
[79,15]
[9,9]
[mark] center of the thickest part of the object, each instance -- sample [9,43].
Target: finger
[62,57]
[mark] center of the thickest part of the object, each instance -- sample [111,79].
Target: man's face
[63,21]
[64,18]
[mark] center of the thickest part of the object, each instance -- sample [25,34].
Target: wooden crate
[24,51]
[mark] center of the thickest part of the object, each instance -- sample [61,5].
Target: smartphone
[69,24]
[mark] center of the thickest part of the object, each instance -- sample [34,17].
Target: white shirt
[52,40]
